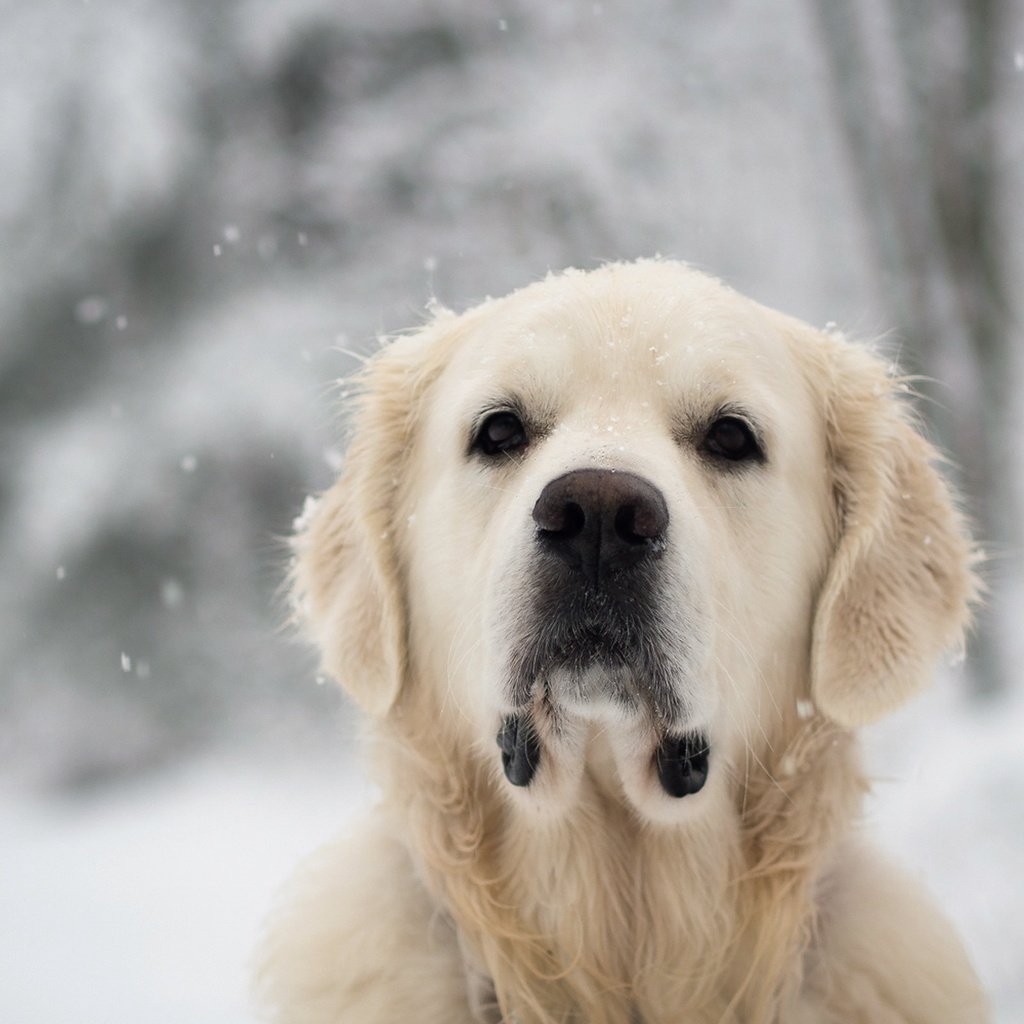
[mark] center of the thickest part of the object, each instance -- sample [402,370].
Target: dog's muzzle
[595,633]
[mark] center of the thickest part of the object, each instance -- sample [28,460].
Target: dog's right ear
[347,588]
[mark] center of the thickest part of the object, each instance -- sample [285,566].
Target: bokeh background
[209,211]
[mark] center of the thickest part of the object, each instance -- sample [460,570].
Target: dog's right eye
[500,433]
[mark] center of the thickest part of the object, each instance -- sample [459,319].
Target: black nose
[601,522]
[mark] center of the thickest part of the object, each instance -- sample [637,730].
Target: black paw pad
[682,763]
[520,749]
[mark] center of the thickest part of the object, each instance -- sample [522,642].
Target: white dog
[615,566]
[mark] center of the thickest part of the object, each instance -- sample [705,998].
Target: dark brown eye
[730,438]
[499,433]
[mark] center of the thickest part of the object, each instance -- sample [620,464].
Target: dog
[615,568]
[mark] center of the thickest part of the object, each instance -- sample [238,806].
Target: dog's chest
[637,916]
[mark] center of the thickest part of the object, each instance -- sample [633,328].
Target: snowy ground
[949,800]
[141,903]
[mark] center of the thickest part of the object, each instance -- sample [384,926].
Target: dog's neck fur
[542,910]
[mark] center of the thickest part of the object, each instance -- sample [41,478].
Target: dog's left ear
[899,587]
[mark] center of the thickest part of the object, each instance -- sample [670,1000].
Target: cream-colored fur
[806,596]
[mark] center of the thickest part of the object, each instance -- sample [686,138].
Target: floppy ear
[898,589]
[347,585]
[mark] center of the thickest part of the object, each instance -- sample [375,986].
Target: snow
[143,902]
[186,275]
[91,310]
[949,800]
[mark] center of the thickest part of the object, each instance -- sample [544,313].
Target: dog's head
[621,525]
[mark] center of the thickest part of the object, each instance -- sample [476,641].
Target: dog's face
[617,506]
[621,519]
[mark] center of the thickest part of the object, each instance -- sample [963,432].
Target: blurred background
[209,210]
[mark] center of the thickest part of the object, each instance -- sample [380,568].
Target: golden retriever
[616,566]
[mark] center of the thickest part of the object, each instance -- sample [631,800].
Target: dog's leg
[885,953]
[357,940]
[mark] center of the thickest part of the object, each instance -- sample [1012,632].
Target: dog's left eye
[499,433]
[730,438]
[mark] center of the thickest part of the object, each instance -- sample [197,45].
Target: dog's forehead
[646,339]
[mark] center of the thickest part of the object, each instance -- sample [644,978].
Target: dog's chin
[597,728]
